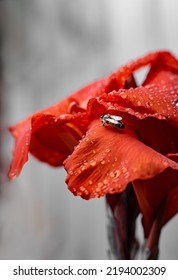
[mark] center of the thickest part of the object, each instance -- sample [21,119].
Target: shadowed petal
[153,192]
[107,159]
[171,207]
[49,138]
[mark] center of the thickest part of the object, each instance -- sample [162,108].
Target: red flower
[107,159]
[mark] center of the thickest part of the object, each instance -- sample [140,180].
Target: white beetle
[112,120]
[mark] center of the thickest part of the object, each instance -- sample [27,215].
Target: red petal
[123,77]
[157,101]
[159,135]
[107,159]
[51,139]
[156,191]
[77,102]
[157,97]
[171,208]
[151,131]
[54,138]
[22,134]
[156,60]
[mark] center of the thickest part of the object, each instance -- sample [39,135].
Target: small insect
[115,121]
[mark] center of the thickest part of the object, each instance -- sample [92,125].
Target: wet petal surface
[107,159]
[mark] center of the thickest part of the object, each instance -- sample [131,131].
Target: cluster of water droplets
[160,102]
[107,173]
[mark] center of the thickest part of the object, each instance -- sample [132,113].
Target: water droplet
[123,95]
[139,103]
[124,169]
[100,184]
[103,161]
[82,167]
[71,172]
[117,173]
[82,188]
[151,97]
[148,104]
[13,175]
[108,150]
[105,181]
[98,189]
[111,174]
[90,182]
[92,162]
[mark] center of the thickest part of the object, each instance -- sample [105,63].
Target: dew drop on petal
[90,182]
[13,175]
[100,184]
[111,174]
[108,150]
[123,95]
[92,162]
[124,169]
[103,161]
[82,188]
[148,104]
[104,187]
[117,173]
[82,167]
[151,97]
[98,189]
[105,181]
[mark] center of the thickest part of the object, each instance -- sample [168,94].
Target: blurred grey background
[50,49]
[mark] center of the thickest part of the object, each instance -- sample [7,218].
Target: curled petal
[22,134]
[157,97]
[156,192]
[160,102]
[49,138]
[156,61]
[108,159]
[150,130]
[171,207]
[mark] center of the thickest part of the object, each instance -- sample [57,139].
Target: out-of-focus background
[49,49]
